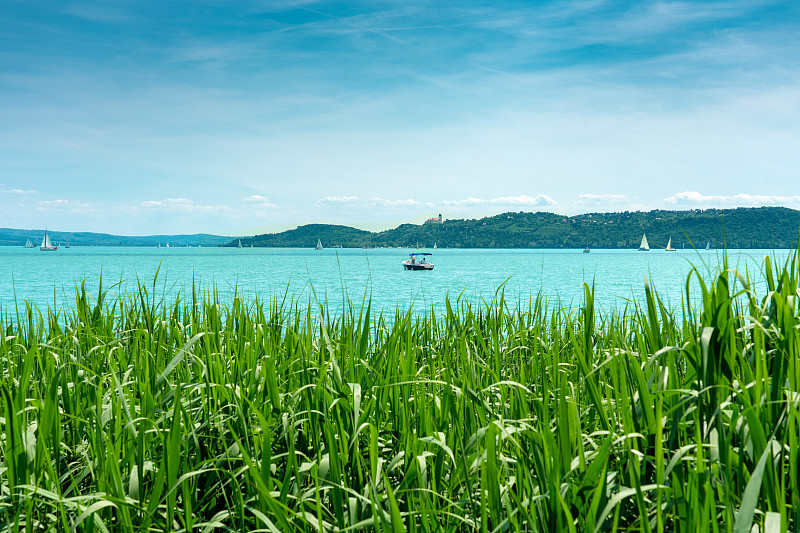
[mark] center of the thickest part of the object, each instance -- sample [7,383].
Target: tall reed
[137,414]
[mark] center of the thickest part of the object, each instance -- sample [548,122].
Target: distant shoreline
[742,228]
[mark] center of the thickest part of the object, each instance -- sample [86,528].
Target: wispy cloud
[260,201]
[590,199]
[331,200]
[179,205]
[410,202]
[375,201]
[19,191]
[67,205]
[687,198]
[541,200]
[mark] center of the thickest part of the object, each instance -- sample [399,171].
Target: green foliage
[136,414]
[764,227]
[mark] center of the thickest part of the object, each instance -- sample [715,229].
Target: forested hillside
[762,227]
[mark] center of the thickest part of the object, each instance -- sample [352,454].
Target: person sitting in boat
[413,259]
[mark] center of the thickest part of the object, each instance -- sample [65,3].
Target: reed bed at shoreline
[136,414]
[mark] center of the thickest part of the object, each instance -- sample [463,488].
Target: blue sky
[244,117]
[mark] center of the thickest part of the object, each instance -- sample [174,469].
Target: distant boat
[422,264]
[669,247]
[251,246]
[240,243]
[434,246]
[644,247]
[586,250]
[167,245]
[29,244]
[67,245]
[319,245]
[708,245]
[46,245]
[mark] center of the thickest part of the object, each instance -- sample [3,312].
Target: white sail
[29,244]
[46,244]
[644,247]
[669,247]
[319,245]
[240,243]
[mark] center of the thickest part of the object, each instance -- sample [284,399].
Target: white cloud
[62,204]
[590,199]
[375,201]
[337,200]
[261,201]
[19,191]
[696,198]
[179,205]
[541,200]
[400,203]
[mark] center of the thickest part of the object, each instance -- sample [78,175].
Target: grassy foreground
[136,414]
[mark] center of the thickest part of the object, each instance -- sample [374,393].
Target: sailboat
[644,247]
[47,246]
[708,245]
[319,245]
[586,250]
[29,244]
[67,245]
[669,247]
[240,243]
[434,246]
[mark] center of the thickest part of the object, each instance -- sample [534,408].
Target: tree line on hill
[762,227]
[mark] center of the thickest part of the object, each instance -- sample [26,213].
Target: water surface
[49,278]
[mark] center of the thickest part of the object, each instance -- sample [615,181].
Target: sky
[236,118]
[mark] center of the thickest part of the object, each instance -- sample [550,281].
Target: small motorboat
[418,261]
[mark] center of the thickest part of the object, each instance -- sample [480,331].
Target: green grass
[136,414]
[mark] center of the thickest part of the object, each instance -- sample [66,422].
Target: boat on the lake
[67,245]
[46,245]
[240,243]
[418,261]
[644,247]
[29,244]
[319,245]
[708,245]
[669,247]
[586,250]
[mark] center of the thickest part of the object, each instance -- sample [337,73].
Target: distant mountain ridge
[17,237]
[756,227]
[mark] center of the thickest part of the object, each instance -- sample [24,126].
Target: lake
[49,278]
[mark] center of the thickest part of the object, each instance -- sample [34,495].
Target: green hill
[307,236]
[17,237]
[761,227]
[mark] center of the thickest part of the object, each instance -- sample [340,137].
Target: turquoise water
[49,278]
